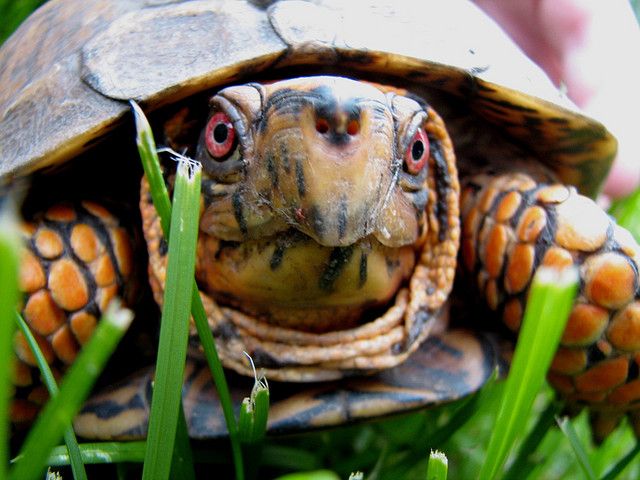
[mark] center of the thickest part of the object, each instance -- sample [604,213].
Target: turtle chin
[291,280]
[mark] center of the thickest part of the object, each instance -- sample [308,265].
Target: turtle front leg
[511,226]
[76,259]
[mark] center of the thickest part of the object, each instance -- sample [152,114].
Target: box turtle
[335,202]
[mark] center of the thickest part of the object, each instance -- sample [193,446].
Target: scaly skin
[511,226]
[77,258]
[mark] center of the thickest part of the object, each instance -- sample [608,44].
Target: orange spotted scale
[77,258]
[525,225]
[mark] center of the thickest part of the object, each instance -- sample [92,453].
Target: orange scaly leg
[76,259]
[511,226]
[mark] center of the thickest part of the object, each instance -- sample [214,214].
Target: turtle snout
[337,113]
[339,126]
[329,192]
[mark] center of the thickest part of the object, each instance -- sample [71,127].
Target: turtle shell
[60,101]
[447,366]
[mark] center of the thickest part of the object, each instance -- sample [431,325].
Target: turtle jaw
[291,280]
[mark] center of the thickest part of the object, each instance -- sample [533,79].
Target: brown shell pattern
[447,366]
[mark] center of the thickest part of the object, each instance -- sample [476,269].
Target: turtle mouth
[290,279]
[332,220]
[335,227]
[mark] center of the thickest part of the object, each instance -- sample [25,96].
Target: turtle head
[323,198]
[333,158]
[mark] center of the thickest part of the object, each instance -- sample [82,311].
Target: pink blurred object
[589,47]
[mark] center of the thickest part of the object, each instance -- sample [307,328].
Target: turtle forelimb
[511,226]
[77,258]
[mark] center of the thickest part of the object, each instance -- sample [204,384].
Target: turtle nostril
[322,125]
[353,127]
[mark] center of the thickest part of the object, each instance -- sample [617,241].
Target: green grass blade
[251,436]
[578,449]
[77,466]
[254,411]
[277,456]
[261,411]
[252,424]
[45,371]
[626,212]
[70,439]
[315,475]
[60,410]
[617,469]
[174,328]
[245,421]
[438,466]
[182,462]
[523,462]
[53,475]
[160,196]
[9,248]
[213,361]
[101,452]
[550,301]
[151,166]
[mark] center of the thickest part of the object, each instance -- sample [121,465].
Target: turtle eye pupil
[417,150]
[220,133]
[220,136]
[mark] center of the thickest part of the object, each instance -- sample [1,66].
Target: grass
[8,298]
[58,413]
[579,451]
[385,449]
[174,327]
[160,197]
[550,302]
[438,466]
[70,440]
[252,423]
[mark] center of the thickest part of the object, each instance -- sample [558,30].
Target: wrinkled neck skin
[313,216]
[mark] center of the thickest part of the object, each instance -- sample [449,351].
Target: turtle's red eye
[417,152]
[220,136]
